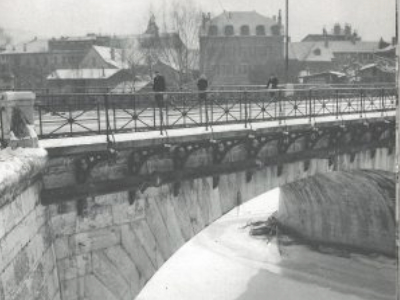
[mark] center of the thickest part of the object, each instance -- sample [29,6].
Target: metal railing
[59,115]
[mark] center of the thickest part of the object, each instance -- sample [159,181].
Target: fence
[59,115]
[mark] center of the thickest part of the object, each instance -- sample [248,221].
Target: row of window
[229,30]
[41,61]
[246,52]
[230,70]
[362,57]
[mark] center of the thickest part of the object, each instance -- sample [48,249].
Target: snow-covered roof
[79,74]
[322,51]
[338,74]
[34,46]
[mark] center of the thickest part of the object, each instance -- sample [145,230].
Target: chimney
[274,18]
[280,17]
[24,47]
[326,38]
[326,42]
[337,30]
[123,55]
[112,52]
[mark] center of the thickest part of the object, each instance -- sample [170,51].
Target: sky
[54,18]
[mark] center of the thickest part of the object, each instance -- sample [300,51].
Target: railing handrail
[108,113]
[216,91]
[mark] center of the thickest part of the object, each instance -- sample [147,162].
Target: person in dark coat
[202,85]
[159,86]
[273,82]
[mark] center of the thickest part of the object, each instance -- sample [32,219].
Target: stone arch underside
[109,246]
[354,210]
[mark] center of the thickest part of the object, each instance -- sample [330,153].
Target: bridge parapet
[17,120]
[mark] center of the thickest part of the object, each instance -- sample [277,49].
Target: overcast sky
[371,18]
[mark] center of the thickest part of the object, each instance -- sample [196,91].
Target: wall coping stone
[19,168]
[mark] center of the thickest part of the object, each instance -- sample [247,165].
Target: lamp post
[287,41]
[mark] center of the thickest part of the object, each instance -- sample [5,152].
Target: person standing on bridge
[273,82]
[159,87]
[202,85]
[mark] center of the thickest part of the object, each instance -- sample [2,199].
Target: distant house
[86,80]
[375,72]
[321,56]
[104,57]
[328,77]
[241,47]
[341,50]
[6,81]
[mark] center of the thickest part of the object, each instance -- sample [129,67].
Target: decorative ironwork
[84,165]
[84,114]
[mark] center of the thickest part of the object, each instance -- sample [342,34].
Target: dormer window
[260,30]
[244,30]
[213,30]
[229,30]
[317,52]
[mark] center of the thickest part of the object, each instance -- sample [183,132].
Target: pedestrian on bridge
[273,82]
[159,87]
[202,85]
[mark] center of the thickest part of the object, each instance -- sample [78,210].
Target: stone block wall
[27,260]
[108,247]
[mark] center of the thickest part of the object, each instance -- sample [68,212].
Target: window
[213,30]
[229,30]
[317,52]
[244,30]
[260,30]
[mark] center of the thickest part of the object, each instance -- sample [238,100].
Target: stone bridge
[83,218]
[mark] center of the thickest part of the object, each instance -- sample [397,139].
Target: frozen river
[224,262]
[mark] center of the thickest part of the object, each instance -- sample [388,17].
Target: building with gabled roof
[86,80]
[320,56]
[104,57]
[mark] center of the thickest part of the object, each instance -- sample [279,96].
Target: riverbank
[225,262]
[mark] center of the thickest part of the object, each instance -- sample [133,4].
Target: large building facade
[241,48]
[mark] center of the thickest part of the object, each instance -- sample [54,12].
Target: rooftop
[240,18]
[34,46]
[79,74]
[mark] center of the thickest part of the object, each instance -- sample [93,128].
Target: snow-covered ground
[225,262]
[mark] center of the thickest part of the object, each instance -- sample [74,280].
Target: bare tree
[134,59]
[5,39]
[179,48]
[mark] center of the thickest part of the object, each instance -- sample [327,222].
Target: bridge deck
[75,145]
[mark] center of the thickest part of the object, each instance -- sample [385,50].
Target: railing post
[361,103]
[337,104]
[309,104]
[206,108]
[106,113]
[245,108]
[98,115]
[280,106]
[40,120]
[160,106]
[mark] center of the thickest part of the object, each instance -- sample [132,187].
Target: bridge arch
[112,244]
